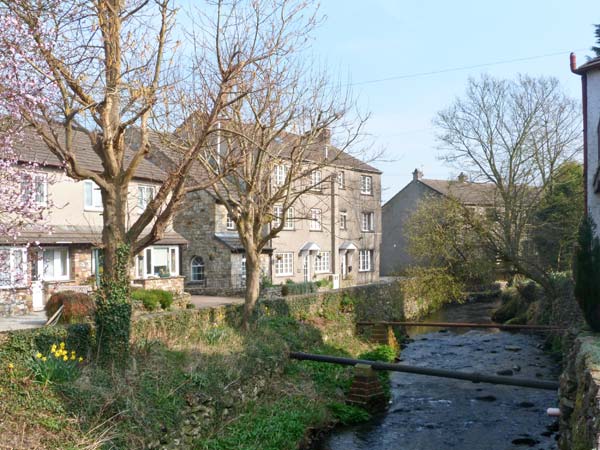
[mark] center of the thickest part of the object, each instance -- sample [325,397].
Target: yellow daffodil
[11,366]
[80,359]
[65,358]
[62,345]
[72,357]
[44,358]
[38,356]
[53,349]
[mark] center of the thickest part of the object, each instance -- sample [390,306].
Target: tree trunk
[252,286]
[113,308]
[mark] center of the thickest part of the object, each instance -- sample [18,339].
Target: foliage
[113,313]
[153,298]
[558,217]
[383,353]
[324,283]
[77,306]
[586,273]
[432,286]
[442,233]
[59,365]
[513,135]
[349,414]
[596,49]
[292,288]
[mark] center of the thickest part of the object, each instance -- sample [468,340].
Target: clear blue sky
[367,40]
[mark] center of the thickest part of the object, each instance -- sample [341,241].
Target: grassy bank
[204,385]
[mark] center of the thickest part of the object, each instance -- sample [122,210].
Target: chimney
[325,136]
[417,175]
[573,62]
[462,178]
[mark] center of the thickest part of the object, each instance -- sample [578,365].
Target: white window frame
[288,223]
[146,258]
[343,220]
[283,264]
[323,262]
[143,197]
[13,269]
[229,223]
[315,180]
[95,199]
[367,221]
[56,261]
[279,174]
[192,265]
[277,213]
[365,260]
[315,219]
[366,184]
[341,178]
[32,180]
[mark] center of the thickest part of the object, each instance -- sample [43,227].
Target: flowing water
[430,413]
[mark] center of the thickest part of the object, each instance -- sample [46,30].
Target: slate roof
[590,65]
[34,149]
[466,192]
[233,242]
[72,234]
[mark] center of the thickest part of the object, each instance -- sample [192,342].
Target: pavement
[31,320]
[205,301]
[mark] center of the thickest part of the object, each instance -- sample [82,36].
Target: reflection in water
[429,413]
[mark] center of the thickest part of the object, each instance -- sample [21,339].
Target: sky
[361,41]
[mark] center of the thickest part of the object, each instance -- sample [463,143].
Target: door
[37,295]
[343,263]
[307,267]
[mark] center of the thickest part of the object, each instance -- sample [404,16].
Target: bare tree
[273,145]
[111,66]
[514,134]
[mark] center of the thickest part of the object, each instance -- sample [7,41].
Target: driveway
[31,320]
[205,301]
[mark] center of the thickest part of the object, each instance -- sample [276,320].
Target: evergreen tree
[597,33]
[586,272]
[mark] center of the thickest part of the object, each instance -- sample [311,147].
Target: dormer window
[230,223]
[92,197]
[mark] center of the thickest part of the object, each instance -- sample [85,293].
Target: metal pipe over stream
[468,325]
[469,376]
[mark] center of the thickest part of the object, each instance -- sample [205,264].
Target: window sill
[93,209]
[320,230]
[283,275]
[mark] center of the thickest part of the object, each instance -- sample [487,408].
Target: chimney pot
[462,177]
[417,175]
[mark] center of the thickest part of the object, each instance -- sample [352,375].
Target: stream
[430,413]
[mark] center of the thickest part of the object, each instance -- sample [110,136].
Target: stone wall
[14,302]
[580,395]
[173,284]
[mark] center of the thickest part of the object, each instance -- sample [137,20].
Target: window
[366,184]
[55,264]
[284,264]
[243,271]
[289,219]
[341,178]
[230,222]
[343,220]
[315,220]
[364,260]
[145,196]
[277,214]
[322,262]
[315,180]
[34,189]
[197,269]
[92,198]
[13,267]
[368,221]
[280,174]
[158,261]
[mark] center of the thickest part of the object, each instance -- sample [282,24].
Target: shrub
[153,298]
[291,288]
[586,273]
[348,414]
[77,306]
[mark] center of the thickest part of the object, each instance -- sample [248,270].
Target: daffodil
[72,357]
[65,358]
[44,358]
[11,366]
[39,355]
[62,345]
[80,359]
[53,349]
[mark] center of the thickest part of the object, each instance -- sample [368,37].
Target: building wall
[395,214]
[331,200]
[197,221]
[593,121]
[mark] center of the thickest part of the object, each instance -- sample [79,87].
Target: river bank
[429,413]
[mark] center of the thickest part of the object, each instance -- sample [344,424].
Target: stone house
[397,211]
[590,84]
[65,252]
[333,232]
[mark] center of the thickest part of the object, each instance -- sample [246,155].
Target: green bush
[77,306]
[153,298]
[291,288]
[348,414]
[586,272]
